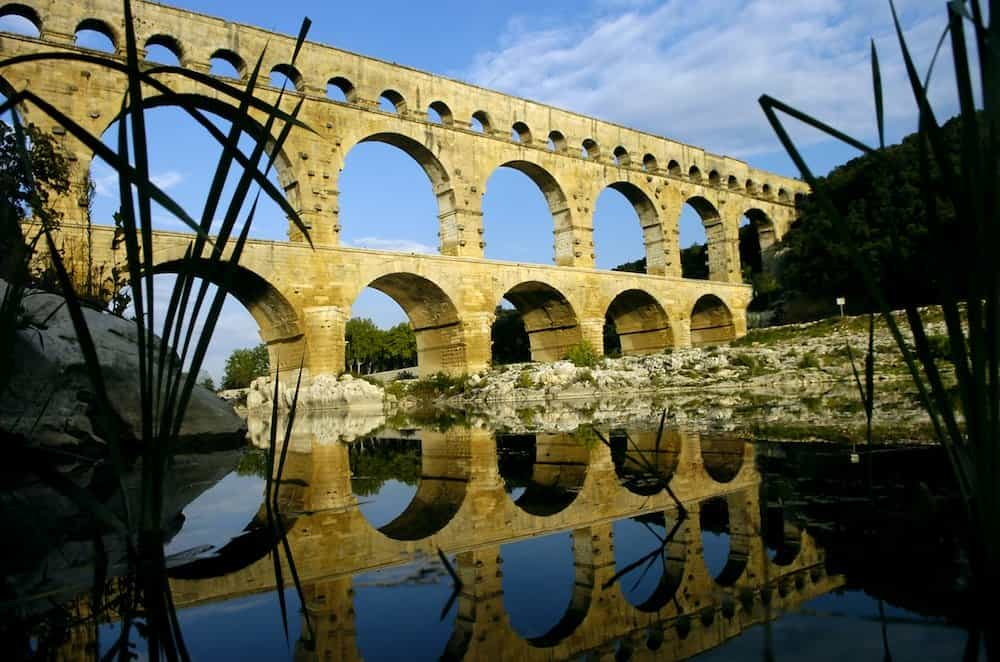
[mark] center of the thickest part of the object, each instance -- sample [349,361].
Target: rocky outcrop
[320,392]
[51,395]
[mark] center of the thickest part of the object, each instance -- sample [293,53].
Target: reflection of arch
[641,323]
[722,456]
[550,467]
[649,220]
[729,515]
[671,560]
[711,321]
[276,318]
[435,170]
[780,535]
[25,12]
[443,112]
[583,589]
[444,477]
[434,318]
[168,42]
[645,462]
[549,320]
[231,58]
[553,192]
[100,27]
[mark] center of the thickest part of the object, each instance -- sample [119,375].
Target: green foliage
[880,207]
[373,462]
[439,384]
[245,365]
[371,349]
[748,361]
[808,360]
[525,380]
[253,463]
[583,355]
[635,267]
[694,261]
[939,347]
[208,383]
[585,376]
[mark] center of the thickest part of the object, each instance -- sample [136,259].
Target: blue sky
[688,71]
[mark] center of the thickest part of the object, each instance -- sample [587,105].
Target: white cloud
[694,71]
[399,245]
[167,180]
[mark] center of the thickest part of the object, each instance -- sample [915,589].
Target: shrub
[525,380]
[583,355]
[585,376]
[405,374]
[748,361]
[808,360]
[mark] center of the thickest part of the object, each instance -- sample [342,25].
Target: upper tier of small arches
[404,99]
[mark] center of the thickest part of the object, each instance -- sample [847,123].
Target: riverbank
[791,382]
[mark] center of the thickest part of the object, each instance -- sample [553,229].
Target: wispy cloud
[106,179]
[399,245]
[694,71]
[167,180]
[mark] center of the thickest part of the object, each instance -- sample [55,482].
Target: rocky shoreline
[782,383]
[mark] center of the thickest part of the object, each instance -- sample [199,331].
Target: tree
[364,343]
[245,365]
[399,347]
[882,213]
[510,340]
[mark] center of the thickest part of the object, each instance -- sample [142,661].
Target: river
[583,542]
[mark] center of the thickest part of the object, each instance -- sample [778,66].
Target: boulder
[51,394]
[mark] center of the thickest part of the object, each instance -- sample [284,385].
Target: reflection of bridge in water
[462,507]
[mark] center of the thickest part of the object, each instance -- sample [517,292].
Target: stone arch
[551,468]
[714,179]
[440,338]
[483,118]
[557,142]
[644,461]
[554,197]
[711,321]
[649,163]
[764,229]
[642,324]
[277,320]
[783,195]
[765,190]
[694,173]
[168,42]
[231,58]
[345,86]
[722,457]
[591,150]
[100,27]
[444,479]
[732,182]
[443,112]
[715,235]
[395,99]
[673,168]
[649,220]
[293,75]
[549,319]
[23,11]
[283,166]
[751,187]
[431,165]
[622,157]
[521,133]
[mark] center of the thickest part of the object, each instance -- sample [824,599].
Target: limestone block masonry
[301,297]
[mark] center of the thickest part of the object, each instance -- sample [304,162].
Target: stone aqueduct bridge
[462,507]
[301,298]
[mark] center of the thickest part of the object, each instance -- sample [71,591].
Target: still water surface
[619,544]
